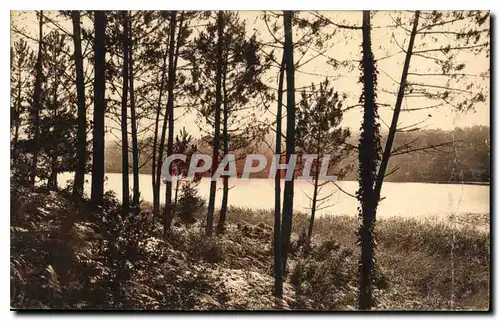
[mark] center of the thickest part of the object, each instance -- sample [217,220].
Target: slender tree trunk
[278,279]
[124,122]
[82,116]
[216,140]
[170,106]
[16,140]
[52,181]
[133,119]
[368,155]
[290,136]
[154,175]
[397,111]
[97,191]
[177,183]
[37,93]
[17,116]
[225,179]
[154,183]
[161,146]
[168,117]
[314,200]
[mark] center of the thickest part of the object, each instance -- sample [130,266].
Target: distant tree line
[467,160]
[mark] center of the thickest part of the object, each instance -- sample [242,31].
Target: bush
[101,260]
[326,275]
[189,203]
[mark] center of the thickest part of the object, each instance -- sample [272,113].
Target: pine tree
[82,114]
[369,157]
[286,225]
[133,116]
[124,111]
[22,63]
[58,114]
[278,276]
[241,72]
[97,192]
[36,103]
[319,132]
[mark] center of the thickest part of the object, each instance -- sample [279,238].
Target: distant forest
[466,159]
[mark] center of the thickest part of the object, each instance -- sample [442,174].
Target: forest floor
[67,254]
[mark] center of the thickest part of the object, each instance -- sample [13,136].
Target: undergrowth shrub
[189,203]
[66,253]
[325,273]
[104,259]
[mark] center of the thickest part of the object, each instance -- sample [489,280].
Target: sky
[346,45]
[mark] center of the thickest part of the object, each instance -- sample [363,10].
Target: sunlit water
[408,200]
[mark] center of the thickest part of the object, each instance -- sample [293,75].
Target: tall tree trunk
[124,120]
[216,140]
[315,198]
[369,145]
[169,112]
[397,111]
[97,191]
[82,116]
[278,278]
[52,181]
[225,179]
[133,119]
[168,216]
[290,136]
[37,94]
[17,114]
[154,175]
[177,185]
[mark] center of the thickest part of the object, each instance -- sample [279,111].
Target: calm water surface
[409,200]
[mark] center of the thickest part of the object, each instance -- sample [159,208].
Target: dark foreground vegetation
[67,254]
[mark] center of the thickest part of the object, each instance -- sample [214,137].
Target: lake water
[408,200]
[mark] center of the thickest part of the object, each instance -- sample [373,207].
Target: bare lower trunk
[35,113]
[154,175]
[156,190]
[82,116]
[97,191]
[159,160]
[223,209]
[125,178]
[286,229]
[313,207]
[367,168]
[17,116]
[15,142]
[225,184]
[315,191]
[215,144]
[177,184]
[52,181]
[278,278]
[167,216]
[133,120]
